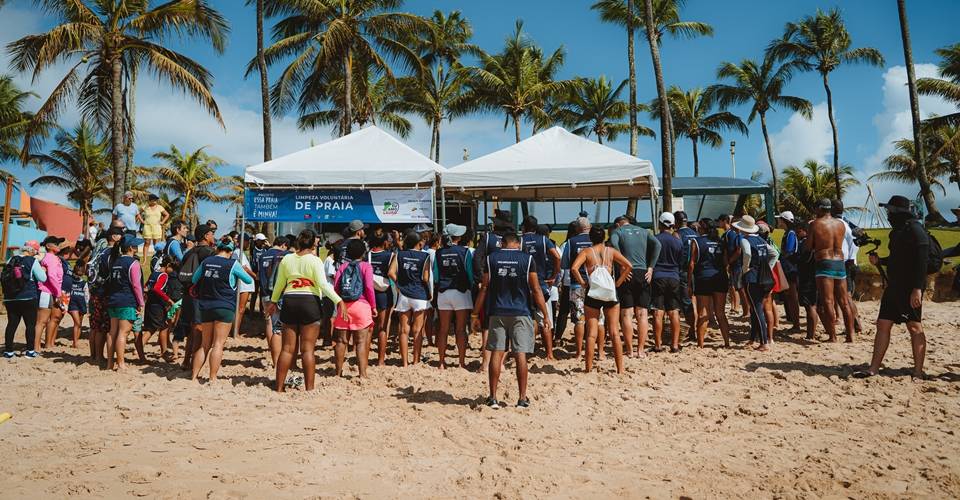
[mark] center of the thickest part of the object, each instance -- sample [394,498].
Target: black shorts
[807,292]
[635,292]
[665,294]
[593,303]
[384,300]
[718,283]
[154,317]
[301,309]
[895,306]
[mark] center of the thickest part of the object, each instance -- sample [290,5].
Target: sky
[871,105]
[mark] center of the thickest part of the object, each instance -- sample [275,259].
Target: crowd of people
[191,288]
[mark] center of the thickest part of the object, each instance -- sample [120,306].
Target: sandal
[863,374]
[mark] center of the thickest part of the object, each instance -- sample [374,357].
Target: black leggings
[17,310]
[756,292]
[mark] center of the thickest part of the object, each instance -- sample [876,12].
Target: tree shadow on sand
[411,395]
[844,371]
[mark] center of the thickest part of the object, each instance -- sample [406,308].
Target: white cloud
[801,139]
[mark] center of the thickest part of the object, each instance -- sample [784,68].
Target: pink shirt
[136,277]
[54,269]
[367,273]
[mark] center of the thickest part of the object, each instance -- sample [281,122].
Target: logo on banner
[391,207]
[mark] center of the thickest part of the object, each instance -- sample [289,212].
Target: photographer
[903,297]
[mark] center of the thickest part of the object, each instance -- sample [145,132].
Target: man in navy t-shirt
[666,287]
[510,285]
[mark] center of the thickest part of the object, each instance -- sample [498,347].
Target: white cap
[786,215]
[260,237]
[667,219]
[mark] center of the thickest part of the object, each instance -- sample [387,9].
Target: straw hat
[747,225]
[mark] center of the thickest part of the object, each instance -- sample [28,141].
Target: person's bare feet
[762,348]
[918,377]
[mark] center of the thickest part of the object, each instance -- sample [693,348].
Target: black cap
[53,240]
[201,232]
[825,204]
[583,213]
[115,231]
[897,204]
[153,197]
[503,215]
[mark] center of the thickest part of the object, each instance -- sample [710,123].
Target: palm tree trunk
[664,106]
[673,146]
[347,92]
[516,126]
[773,165]
[836,141]
[264,88]
[131,121]
[116,125]
[632,64]
[437,148]
[599,138]
[696,158]
[433,139]
[933,213]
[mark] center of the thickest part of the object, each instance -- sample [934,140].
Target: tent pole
[608,204]
[433,203]
[243,230]
[443,201]
[653,210]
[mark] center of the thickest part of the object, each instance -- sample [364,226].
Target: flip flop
[863,374]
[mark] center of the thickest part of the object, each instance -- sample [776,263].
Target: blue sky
[870,103]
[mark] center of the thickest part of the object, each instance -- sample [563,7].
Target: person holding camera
[907,275]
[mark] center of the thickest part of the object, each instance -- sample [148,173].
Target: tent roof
[716,185]
[368,157]
[553,159]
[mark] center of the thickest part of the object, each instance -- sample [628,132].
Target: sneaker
[30,354]
[493,403]
[9,354]
[523,403]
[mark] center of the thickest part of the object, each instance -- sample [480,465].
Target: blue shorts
[384,300]
[77,304]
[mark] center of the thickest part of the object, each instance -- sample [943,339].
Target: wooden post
[6,223]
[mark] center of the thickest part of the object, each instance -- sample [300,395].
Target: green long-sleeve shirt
[302,274]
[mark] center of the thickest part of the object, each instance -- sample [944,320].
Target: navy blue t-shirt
[410,265]
[671,257]
[509,293]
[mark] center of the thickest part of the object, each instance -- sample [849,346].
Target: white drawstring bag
[602,285]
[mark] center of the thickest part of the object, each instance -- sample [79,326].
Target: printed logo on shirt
[301,283]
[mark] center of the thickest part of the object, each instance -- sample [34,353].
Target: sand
[704,423]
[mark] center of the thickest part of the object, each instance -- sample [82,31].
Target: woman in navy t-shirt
[411,272]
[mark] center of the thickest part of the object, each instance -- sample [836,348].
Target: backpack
[351,283]
[602,285]
[934,254]
[158,256]
[98,273]
[191,261]
[13,278]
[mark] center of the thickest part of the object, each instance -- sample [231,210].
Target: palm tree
[440,93]
[79,164]
[191,175]
[948,85]
[812,181]
[174,204]
[693,118]
[621,13]
[653,40]
[376,101]
[105,44]
[821,42]
[264,85]
[762,85]
[13,119]
[901,166]
[320,34]
[518,81]
[944,145]
[596,109]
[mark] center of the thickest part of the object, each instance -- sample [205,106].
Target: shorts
[518,330]
[301,309]
[735,273]
[685,302]
[154,317]
[895,306]
[406,304]
[718,283]
[834,269]
[123,313]
[454,300]
[539,317]
[807,293]
[218,314]
[577,296]
[599,304]
[99,320]
[77,304]
[152,232]
[635,292]
[666,294]
[46,301]
[384,300]
[361,317]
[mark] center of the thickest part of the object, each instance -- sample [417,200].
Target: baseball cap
[132,241]
[225,245]
[455,230]
[128,194]
[260,237]
[897,204]
[201,231]
[32,244]
[667,219]
[825,204]
[356,225]
[786,215]
[153,197]
[53,240]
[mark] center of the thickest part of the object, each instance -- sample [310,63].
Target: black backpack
[99,270]
[191,261]
[159,255]
[934,254]
[13,278]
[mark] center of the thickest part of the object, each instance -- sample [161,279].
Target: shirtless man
[826,242]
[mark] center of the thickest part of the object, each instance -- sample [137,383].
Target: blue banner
[338,205]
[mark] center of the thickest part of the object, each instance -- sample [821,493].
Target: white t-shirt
[850,249]
[92,232]
[245,263]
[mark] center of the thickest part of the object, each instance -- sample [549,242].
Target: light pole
[733,159]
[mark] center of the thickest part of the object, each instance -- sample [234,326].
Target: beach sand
[703,423]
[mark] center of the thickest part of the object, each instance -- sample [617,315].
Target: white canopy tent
[553,165]
[366,158]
